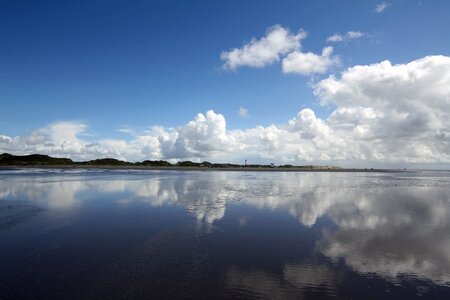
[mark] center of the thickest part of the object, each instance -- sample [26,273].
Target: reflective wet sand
[73,234]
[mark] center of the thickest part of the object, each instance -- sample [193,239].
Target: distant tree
[207,164]
[188,163]
[155,163]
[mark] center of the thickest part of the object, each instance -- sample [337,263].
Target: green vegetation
[154,163]
[187,164]
[7,159]
[106,162]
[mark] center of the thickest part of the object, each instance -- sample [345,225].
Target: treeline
[33,159]
[7,159]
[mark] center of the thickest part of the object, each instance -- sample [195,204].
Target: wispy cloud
[350,35]
[382,7]
[243,112]
[126,130]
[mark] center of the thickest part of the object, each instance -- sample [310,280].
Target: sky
[347,83]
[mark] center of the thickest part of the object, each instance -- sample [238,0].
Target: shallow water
[118,234]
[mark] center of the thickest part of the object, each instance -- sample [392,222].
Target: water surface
[118,234]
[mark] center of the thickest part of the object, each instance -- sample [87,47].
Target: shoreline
[204,169]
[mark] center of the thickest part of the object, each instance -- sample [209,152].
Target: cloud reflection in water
[390,224]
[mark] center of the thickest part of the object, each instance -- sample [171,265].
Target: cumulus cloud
[243,112]
[350,35]
[265,51]
[61,138]
[382,113]
[381,7]
[206,135]
[309,63]
[402,109]
[280,44]
[5,139]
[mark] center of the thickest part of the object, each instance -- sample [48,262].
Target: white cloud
[206,135]
[309,63]
[354,34]
[126,130]
[335,38]
[383,113]
[280,44]
[243,112]
[65,135]
[265,51]
[350,35]
[5,139]
[381,7]
[403,109]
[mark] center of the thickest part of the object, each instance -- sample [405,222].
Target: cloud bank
[382,113]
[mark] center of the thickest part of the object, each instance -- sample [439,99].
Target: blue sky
[115,65]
